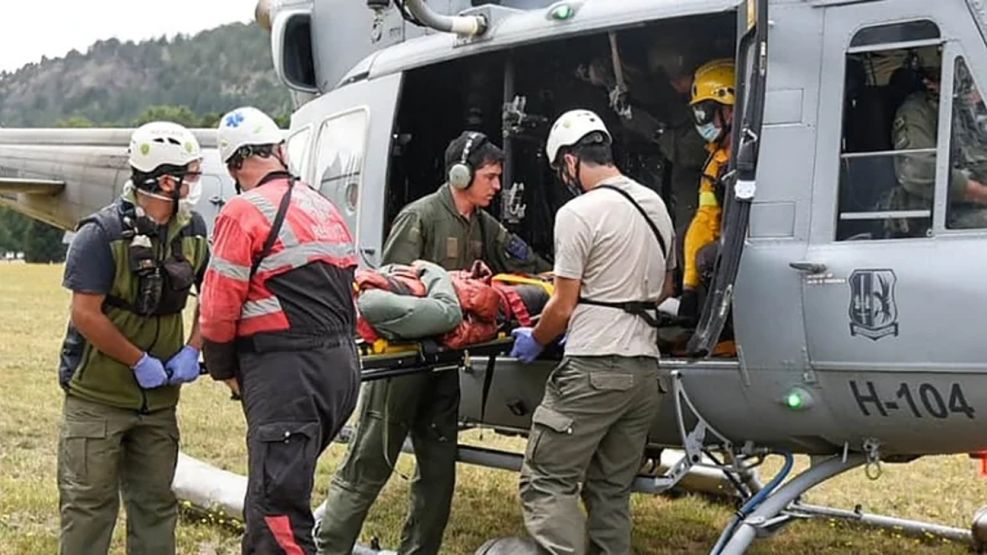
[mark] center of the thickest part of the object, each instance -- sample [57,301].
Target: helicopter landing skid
[767,508]
[769,513]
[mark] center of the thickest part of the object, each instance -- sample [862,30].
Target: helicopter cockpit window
[342,142]
[888,149]
[967,206]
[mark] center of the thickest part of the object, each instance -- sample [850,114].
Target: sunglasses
[705,112]
[189,177]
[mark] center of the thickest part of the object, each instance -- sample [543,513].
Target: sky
[35,28]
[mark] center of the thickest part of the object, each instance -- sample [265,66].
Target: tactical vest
[149,316]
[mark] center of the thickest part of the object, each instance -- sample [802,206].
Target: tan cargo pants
[590,428]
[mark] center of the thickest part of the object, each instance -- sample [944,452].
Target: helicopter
[856,343]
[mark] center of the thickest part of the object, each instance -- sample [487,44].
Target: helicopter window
[967,206]
[342,141]
[298,151]
[888,150]
[896,32]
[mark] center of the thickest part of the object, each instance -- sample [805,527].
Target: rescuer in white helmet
[614,257]
[130,267]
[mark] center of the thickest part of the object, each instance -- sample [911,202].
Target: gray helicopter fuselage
[845,335]
[813,371]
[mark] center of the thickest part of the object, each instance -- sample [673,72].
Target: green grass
[33,313]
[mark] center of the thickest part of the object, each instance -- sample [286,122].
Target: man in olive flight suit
[450,228]
[915,127]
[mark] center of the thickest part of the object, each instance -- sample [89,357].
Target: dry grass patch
[32,321]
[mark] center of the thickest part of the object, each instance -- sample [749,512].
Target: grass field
[32,321]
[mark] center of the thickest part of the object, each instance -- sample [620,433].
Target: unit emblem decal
[873,311]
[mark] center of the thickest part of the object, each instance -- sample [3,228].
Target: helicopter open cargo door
[349,123]
[893,278]
[740,180]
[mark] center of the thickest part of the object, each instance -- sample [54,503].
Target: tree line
[41,242]
[190,80]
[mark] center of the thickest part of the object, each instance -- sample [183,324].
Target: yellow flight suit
[705,225]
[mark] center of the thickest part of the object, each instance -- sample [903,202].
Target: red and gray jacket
[297,294]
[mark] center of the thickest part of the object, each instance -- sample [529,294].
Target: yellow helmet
[714,80]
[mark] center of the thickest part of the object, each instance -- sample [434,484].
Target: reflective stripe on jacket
[234,304]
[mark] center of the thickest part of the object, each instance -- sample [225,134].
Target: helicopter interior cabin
[526,88]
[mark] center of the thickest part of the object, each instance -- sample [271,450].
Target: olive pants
[425,406]
[104,452]
[591,427]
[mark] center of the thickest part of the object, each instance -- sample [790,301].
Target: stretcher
[384,360]
[388,360]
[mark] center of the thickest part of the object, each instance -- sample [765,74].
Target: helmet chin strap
[274,153]
[175,197]
[280,159]
[153,195]
[574,187]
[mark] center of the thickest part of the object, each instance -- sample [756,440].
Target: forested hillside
[189,80]
[115,82]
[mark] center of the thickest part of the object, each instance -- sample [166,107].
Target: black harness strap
[272,235]
[637,308]
[488,375]
[647,219]
[250,343]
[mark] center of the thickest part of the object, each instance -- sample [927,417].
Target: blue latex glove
[526,348]
[150,372]
[184,366]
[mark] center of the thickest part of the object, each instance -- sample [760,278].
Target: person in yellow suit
[712,110]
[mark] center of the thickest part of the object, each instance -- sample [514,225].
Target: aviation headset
[461,173]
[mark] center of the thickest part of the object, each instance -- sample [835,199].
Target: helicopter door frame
[752,56]
[903,303]
[357,191]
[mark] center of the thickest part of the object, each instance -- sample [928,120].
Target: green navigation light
[562,12]
[797,398]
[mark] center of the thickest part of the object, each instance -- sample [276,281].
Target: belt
[261,343]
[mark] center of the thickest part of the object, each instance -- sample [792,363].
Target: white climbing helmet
[158,143]
[246,126]
[570,128]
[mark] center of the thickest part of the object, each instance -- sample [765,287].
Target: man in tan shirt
[614,258]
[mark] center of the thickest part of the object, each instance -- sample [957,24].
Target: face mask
[571,183]
[194,193]
[708,131]
[187,204]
